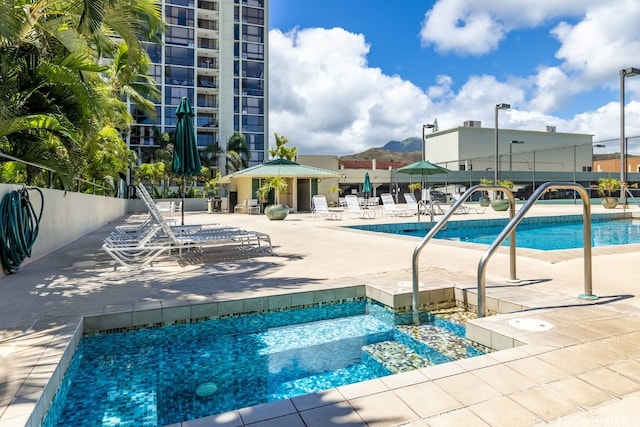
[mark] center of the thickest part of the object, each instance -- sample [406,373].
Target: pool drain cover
[534,325]
[206,389]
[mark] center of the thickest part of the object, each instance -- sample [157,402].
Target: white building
[214,52]
[473,147]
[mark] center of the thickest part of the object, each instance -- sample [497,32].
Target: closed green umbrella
[366,186]
[186,161]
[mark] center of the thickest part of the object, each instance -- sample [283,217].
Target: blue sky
[347,75]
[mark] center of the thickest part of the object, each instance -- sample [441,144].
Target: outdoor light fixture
[626,72]
[511,152]
[496,174]
[433,126]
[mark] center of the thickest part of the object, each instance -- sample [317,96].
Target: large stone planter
[609,202]
[276,212]
[500,204]
[484,201]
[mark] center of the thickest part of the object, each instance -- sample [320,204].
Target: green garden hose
[19,228]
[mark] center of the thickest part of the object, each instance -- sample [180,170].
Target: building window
[207,24]
[252,51]
[205,139]
[208,43]
[173,95]
[252,123]
[253,69]
[140,117]
[142,135]
[206,120]
[252,105]
[179,55]
[179,36]
[207,101]
[208,81]
[178,76]
[252,87]
[251,33]
[253,16]
[208,5]
[179,16]
[154,51]
[188,3]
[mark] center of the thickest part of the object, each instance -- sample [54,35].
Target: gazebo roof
[284,168]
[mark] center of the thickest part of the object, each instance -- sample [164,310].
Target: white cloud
[327,100]
[471,27]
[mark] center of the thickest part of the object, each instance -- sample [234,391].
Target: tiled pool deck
[584,371]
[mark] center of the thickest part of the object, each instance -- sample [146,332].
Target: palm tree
[52,98]
[237,153]
[282,152]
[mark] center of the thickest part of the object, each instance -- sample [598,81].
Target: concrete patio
[586,369]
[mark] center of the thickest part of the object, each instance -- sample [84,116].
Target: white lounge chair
[389,206]
[413,204]
[426,207]
[321,209]
[160,238]
[354,209]
[464,208]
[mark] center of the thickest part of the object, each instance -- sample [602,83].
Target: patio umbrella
[186,161]
[366,186]
[422,168]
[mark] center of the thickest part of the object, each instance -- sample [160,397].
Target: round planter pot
[484,202]
[276,212]
[609,202]
[500,205]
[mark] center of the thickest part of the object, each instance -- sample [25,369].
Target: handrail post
[435,228]
[511,226]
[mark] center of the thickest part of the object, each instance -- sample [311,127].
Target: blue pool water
[156,377]
[543,233]
[553,236]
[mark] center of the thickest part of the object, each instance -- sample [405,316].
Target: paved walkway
[586,369]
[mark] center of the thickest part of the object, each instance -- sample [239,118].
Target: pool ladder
[508,231]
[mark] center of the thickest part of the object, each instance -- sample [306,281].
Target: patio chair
[464,208]
[412,204]
[240,207]
[253,206]
[161,238]
[354,209]
[389,206]
[321,209]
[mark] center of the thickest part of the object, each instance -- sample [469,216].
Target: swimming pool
[161,376]
[543,233]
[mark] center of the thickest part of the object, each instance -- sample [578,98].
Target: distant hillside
[383,154]
[407,145]
[406,151]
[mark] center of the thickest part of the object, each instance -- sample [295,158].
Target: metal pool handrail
[442,222]
[511,226]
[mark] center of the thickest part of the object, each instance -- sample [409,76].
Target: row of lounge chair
[354,209]
[140,241]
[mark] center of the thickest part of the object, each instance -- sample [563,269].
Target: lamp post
[511,153]
[424,139]
[626,72]
[496,175]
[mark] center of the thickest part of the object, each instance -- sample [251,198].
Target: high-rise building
[214,52]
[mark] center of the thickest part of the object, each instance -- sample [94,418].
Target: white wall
[67,216]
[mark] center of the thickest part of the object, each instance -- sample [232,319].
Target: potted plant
[606,187]
[278,185]
[212,192]
[484,198]
[336,190]
[415,186]
[502,204]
